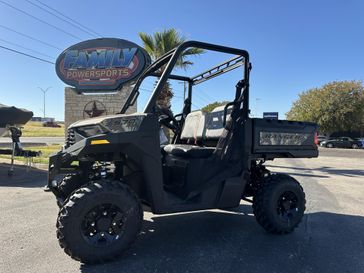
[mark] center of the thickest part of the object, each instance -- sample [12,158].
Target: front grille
[71,138]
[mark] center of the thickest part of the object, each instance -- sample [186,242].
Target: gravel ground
[330,238]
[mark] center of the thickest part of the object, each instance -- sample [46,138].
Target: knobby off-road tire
[279,204]
[69,184]
[99,222]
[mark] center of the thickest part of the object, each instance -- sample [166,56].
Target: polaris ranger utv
[114,167]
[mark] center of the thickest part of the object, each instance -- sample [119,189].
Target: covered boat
[10,115]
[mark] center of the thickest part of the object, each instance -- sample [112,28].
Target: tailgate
[282,138]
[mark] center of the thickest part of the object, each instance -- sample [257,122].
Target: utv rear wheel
[99,222]
[279,204]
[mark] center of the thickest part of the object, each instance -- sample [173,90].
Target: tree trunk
[164,98]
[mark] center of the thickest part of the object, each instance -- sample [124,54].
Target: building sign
[101,64]
[270,115]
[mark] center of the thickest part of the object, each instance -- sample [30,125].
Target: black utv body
[114,167]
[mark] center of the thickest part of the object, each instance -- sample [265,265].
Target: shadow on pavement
[224,241]
[22,177]
[327,170]
[307,175]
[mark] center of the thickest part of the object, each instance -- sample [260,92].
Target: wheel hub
[287,206]
[102,225]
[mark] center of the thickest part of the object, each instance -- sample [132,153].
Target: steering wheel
[166,118]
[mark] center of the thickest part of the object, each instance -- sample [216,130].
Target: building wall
[75,103]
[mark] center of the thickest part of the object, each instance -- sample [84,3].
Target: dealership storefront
[100,73]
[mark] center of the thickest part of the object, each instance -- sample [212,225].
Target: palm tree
[160,43]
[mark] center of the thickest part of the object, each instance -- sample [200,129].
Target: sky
[293,45]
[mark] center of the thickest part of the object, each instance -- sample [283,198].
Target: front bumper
[59,164]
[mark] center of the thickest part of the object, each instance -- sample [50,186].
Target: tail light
[316,139]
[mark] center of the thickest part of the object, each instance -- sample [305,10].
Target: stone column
[79,106]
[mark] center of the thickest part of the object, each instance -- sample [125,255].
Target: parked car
[362,141]
[51,124]
[321,138]
[341,142]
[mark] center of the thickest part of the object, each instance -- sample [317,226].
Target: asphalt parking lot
[330,238]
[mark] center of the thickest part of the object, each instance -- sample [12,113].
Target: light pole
[44,95]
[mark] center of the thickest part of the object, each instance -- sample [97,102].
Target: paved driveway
[330,238]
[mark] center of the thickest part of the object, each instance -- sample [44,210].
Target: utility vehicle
[114,167]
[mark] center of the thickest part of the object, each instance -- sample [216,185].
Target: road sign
[270,115]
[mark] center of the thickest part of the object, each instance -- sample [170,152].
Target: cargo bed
[282,138]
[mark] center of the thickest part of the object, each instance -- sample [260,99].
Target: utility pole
[44,99]
[256,106]
[184,91]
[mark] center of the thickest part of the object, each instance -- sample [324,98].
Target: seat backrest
[214,123]
[193,127]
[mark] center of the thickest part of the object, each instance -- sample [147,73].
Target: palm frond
[160,43]
[193,51]
[148,43]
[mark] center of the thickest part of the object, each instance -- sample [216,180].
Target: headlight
[92,130]
[122,124]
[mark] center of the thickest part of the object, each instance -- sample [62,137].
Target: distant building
[46,119]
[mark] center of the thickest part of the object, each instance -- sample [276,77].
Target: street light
[44,95]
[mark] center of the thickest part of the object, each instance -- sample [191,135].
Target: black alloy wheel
[287,206]
[103,225]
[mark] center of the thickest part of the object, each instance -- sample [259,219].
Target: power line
[60,18]
[198,107]
[69,18]
[23,47]
[151,91]
[204,94]
[201,98]
[25,54]
[174,97]
[40,20]
[30,37]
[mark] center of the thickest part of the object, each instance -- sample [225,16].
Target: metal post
[184,90]
[44,101]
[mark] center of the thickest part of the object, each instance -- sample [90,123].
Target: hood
[98,120]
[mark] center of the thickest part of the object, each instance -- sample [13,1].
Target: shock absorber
[104,169]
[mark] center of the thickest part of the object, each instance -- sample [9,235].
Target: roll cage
[170,59]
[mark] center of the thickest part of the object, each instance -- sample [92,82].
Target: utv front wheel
[69,184]
[279,204]
[99,222]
